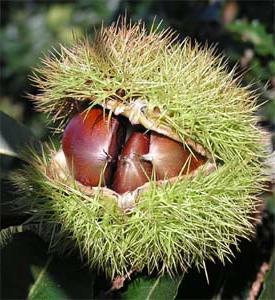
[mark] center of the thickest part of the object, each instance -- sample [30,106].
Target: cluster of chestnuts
[106,150]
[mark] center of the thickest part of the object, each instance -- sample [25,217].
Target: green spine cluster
[174,225]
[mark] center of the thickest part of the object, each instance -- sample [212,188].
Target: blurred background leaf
[13,136]
[161,288]
[29,272]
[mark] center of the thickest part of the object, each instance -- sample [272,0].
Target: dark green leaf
[144,288]
[12,135]
[269,111]
[28,272]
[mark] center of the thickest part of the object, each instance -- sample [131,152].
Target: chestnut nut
[97,153]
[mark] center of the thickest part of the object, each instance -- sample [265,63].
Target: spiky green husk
[196,96]
[173,225]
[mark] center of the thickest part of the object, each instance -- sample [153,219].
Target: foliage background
[241,30]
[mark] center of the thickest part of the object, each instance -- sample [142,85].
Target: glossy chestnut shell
[91,143]
[132,170]
[98,154]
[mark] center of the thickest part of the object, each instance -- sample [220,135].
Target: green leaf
[145,288]
[255,33]
[268,291]
[13,136]
[271,66]
[44,287]
[269,111]
[29,272]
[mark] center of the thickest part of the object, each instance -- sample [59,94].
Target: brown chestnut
[91,142]
[132,170]
[170,158]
